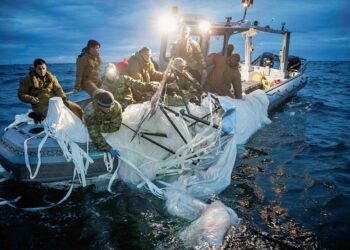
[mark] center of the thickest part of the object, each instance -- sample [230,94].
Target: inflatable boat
[279,76]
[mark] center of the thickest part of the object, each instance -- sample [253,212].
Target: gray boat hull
[53,168]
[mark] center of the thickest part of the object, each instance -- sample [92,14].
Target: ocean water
[290,184]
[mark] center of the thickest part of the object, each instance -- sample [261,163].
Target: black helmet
[104,99]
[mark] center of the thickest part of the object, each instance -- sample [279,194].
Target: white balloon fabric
[201,166]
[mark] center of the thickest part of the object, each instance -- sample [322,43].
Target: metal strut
[150,140]
[173,124]
[189,116]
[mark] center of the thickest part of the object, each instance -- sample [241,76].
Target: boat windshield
[216,44]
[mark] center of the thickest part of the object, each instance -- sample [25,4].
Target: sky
[57,30]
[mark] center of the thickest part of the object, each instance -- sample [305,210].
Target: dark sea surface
[290,184]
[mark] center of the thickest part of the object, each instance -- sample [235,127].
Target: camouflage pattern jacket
[142,71]
[88,69]
[98,122]
[187,81]
[191,52]
[43,88]
[121,89]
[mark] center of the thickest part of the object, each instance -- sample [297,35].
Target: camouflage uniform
[122,88]
[183,86]
[191,52]
[187,81]
[98,122]
[43,88]
[88,72]
[142,71]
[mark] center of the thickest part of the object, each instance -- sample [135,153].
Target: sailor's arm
[57,88]
[95,133]
[154,74]
[23,92]
[138,85]
[97,138]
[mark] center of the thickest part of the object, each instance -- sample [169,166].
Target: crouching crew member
[103,115]
[38,87]
[184,85]
[122,87]
[141,68]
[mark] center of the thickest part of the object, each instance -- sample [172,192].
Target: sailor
[191,52]
[230,49]
[222,77]
[184,81]
[141,68]
[234,75]
[88,68]
[38,87]
[103,115]
[123,86]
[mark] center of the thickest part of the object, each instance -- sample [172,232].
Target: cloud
[58,29]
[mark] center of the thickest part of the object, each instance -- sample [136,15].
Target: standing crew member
[222,77]
[38,87]
[191,52]
[88,68]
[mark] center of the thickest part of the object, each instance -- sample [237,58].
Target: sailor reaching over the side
[103,115]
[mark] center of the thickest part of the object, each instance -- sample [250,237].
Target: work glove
[65,101]
[35,100]
[38,118]
[114,153]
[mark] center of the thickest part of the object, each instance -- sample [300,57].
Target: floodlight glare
[167,24]
[204,26]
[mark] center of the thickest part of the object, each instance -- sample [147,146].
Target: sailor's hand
[114,153]
[38,118]
[35,100]
[65,101]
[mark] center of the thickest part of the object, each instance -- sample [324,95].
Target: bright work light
[204,26]
[167,24]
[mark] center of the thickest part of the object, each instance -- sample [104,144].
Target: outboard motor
[294,63]
[267,60]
